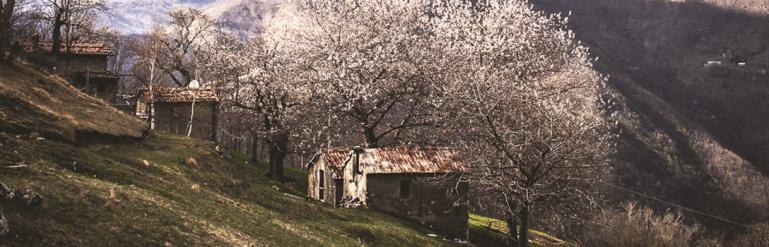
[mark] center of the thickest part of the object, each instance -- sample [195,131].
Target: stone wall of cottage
[329,189]
[74,64]
[354,182]
[428,199]
[103,88]
[175,118]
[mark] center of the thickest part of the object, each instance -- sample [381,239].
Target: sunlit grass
[497,229]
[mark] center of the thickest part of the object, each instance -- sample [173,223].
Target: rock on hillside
[35,101]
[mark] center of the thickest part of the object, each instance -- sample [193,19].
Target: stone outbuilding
[173,107]
[83,63]
[422,184]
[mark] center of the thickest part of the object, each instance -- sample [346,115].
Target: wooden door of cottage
[339,191]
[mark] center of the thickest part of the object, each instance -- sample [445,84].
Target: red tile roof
[76,48]
[334,158]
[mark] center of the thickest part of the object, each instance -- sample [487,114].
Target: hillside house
[418,183]
[173,107]
[83,64]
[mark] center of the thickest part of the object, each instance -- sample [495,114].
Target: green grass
[155,204]
[486,231]
[483,234]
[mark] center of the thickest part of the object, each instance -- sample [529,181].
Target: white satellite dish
[194,84]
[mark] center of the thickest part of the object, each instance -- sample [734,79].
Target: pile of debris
[12,196]
[27,197]
[3,224]
[348,202]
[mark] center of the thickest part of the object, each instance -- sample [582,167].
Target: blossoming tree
[522,103]
[367,61]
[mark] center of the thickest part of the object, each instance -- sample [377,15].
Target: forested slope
[692,134]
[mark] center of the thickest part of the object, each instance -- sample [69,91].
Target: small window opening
[405,188]
[321,184]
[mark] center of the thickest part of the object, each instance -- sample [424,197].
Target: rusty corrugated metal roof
[76,48]
[411,160]
[179,94]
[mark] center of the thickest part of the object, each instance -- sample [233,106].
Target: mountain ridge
[136,16]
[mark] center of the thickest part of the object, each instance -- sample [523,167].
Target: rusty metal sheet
[411,160]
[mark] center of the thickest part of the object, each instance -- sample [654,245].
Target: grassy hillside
[142,194]
[104,185]
[35,101]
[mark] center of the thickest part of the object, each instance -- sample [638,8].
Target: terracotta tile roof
[179,94]
[334,158]
[77,47]
[411,160]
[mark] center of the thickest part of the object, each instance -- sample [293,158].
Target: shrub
[640,226]
[757,236]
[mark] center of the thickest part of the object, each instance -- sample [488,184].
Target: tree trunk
[254,148]
[192,117]
[215,124]
[511,231]
[184,73]
[186,76]
[56,35]
[371,139]
[278,152]
[6,14]
[151,117]
[523,230]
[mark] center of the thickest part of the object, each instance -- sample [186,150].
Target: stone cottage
[83,64]
[173,107]
[422,184]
